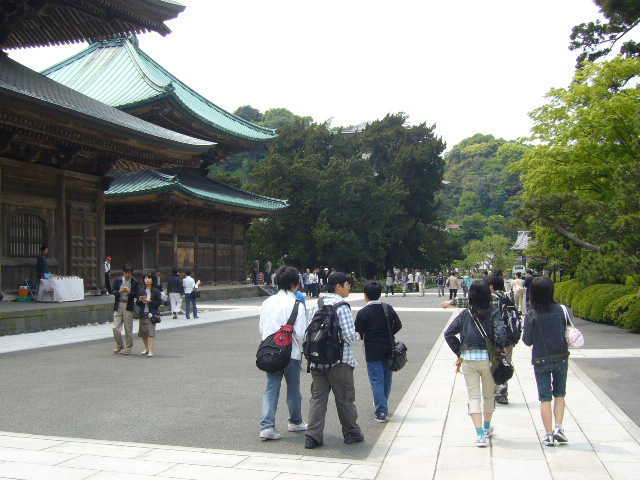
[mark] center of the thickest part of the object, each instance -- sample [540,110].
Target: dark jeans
[388,289]
[380,379]
[190,304]
[107,283]
[338,379]
[551,378]
[453,293]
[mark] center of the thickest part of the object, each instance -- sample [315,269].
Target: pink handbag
[574,337]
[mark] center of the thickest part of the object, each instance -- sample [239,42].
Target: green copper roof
[131,184]
[18,80]
[119,73]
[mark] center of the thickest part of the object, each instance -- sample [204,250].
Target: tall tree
[249,113]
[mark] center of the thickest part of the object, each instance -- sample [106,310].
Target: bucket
[23,291]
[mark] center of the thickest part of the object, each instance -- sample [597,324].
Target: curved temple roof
[120,74]
[167,180]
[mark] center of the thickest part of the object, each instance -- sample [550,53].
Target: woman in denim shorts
[544,328]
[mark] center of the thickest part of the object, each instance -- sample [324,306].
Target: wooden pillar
[100,237]
[214,234]
[62,233]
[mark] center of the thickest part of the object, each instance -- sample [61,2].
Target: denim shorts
[551,378]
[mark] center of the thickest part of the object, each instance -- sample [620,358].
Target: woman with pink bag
[545,327]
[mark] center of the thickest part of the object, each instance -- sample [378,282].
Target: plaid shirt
[474,355]
[347,325]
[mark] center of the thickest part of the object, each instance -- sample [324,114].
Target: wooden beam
[62,232]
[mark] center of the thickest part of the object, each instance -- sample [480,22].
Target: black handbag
[274,352]
[398,349]
[501,369]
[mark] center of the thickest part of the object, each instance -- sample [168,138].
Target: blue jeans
[380,380]
[551,378]
[272,394]
[190,304]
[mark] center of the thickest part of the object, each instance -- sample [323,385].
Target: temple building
[196,223]
[61,149]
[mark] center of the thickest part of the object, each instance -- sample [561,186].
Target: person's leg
[341,379]
[543,381]
[270,400]
[151,344]
[194,306]
[559,376]
[294,397]
[118,322]
[187,306]
[472,379]
[145,340]
[450,294]
[388,374]
[455,293]
[375,371]
[320,388]
[128,329]
[488,397]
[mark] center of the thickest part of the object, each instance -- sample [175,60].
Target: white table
[63,289]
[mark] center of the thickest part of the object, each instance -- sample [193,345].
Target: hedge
[608,294]
[625,312]
[564,291]
[582,300]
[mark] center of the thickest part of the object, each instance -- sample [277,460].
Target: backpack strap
[385,309]
[294,314]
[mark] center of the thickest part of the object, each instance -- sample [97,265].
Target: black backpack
[274,352]
[323,340]
[507,323]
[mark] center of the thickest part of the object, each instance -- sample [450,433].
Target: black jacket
[133,294]
[174,285]
[371,324]
[42,266]
[156,300]
[470,338]
[545,330]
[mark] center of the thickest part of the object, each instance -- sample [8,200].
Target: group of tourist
[144,300]
[481,332]
[409,280]
[375,324]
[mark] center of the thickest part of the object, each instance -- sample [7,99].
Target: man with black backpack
[507,326]
[377,323]
[276,311]
[328,347]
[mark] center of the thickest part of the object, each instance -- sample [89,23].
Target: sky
[467,66]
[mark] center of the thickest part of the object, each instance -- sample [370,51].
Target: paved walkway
[429,437]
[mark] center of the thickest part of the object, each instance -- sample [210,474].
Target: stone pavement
[429,437]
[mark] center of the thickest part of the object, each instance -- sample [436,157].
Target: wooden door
[83,245]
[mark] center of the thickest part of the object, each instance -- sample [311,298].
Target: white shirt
[410,278]
[275,312]
[107,267]
[188,284]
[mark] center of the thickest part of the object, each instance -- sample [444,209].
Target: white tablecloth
[60,290]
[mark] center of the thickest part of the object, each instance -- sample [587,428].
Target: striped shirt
[474,355]
[347,325]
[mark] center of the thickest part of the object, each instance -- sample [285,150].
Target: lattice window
[27,233]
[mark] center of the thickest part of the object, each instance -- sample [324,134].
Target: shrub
[603,267]
[631,318]
[582,300]
[616,309]
[572,289]
[561,289]
[603,297]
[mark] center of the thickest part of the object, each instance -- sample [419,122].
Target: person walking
[528,278]
[157,279]
[403,278]
[276,311]
[255,271]
[410,280]
[518,293]
[337,377]
[125,291]
[421,279]
[190,294]
[176,291]
[440,283]
[465,339]
[544,330]
[268,266]
[376,324]
[306,281]
[149,302]
[389,284]
[453,284]
[466,283]
[107,275]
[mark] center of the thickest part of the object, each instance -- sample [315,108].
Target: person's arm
[451,334]
[347,324]
[156,300]
[528,336]
[360,324]
[396,324]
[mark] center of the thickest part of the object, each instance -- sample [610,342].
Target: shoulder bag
[274,352]
[574,337]
[501,369]
[398,349]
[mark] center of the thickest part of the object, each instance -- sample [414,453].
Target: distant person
[467,342]
[255,271]
[190,294]
[544,329]
[275,313]
[42,265]
[149,302]
[518,292]
[421,280]
[453,284]
[337,377]
[441,283]
[377,323]
[157,279]
[125,291]
[389,284]
[107,275]
[403,278]
[410,280]
[176,292]
[528,278]
[466,283]
[268,266]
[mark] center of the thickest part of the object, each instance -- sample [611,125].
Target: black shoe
[502,399]
[381,417]
[310,442]
[175,316]
[353,439]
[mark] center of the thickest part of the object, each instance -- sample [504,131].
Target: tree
[249,113]
[492,252]
[597,39]
[281,117]
[581,179]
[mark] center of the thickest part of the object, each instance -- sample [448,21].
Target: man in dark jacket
[42,265]
[376,323]
[125,291]
[176,292]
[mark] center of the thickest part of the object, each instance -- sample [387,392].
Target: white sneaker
[149,354]
[269,434]
[144,352]
[300,427]
[482,441]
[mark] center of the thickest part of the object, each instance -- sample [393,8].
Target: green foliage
[624,312]
[492,252]
[604,296]
[565,291]
[357,212]
[249,113]
[599,267]
[281,117]
[597,39]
